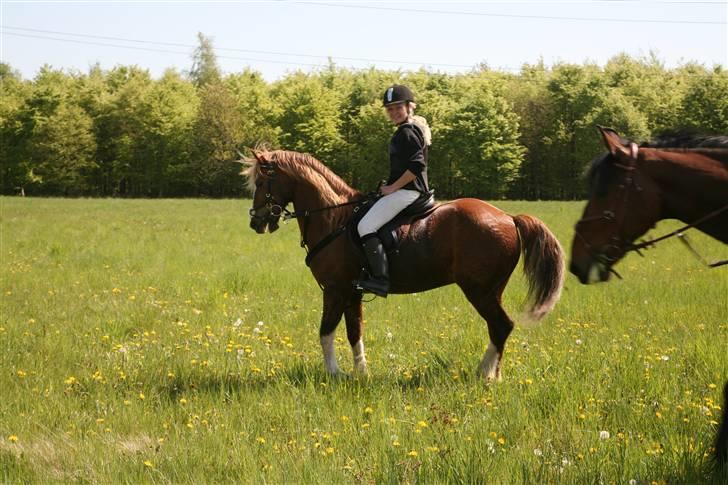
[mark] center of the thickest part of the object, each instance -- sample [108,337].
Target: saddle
[389,233]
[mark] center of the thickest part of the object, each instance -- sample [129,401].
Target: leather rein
[620,246]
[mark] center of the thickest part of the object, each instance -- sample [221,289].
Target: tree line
[525,135]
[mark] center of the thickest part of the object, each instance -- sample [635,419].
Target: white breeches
[385,209]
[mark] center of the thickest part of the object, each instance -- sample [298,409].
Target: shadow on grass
[309,375]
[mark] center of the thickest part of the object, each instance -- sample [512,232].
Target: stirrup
[378,287]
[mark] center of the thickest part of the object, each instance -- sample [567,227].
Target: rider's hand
[387,189]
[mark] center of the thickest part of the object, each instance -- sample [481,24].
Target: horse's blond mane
[301,167]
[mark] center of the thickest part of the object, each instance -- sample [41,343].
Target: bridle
[618,245]
[275,208]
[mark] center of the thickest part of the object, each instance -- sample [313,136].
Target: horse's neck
[320,224]
[690,191]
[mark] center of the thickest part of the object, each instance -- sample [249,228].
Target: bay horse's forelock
[467,242]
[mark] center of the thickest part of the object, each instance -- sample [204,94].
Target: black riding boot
[378,281]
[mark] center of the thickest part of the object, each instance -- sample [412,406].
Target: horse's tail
[543,265]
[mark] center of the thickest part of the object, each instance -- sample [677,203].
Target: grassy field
[164,341]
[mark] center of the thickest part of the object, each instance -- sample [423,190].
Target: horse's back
[463,235]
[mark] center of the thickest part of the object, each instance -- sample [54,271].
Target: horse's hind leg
[488,304]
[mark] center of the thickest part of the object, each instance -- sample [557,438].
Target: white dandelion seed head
[238,322]
[579,341]
[256,330]
[538,452]
[604,435]
[665,358]
[260,323]
[389,336]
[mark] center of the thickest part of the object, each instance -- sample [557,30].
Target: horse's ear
[613,142]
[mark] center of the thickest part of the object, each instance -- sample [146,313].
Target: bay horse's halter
[617,244]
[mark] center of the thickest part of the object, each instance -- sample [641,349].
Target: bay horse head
[623,204]
[272,191]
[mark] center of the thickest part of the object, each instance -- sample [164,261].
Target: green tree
[217,137]
[204,63]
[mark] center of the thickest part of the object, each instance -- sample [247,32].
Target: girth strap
[323,243]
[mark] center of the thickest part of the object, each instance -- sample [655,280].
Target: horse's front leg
[334,304]
[353,316]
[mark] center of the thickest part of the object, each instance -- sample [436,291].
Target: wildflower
[501,441]
[712,386]
[141,396]
[21,373]
[368,410]
[237,323]
[13,438]
[70,381]
[604,435]
[389,336]
[183,401]
[412,453]
[433,449]
[260,323]
[538,452]
[149,464]
[260,440]
[422,424]
[329,450]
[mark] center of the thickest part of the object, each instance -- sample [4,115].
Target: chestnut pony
[466,241]
[632,187]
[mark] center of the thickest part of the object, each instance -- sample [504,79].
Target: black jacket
[408,151]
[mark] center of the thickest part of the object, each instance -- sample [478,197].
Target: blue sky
[276,37]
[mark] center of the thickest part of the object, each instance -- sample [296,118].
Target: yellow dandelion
[368,410]
[13,438]
[412,453]
[148,464]
[501,441]
[141,396]
[329,450]
[365,425]
[260,440]
[183,401]
[395,443]
[422,424]
[712,386]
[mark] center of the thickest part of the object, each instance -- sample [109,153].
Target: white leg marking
[360,360]
[327,345]
[489,367]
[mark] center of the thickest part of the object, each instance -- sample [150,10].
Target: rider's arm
[406,178]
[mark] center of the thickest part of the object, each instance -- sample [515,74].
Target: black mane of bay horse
[632,187]
[466,241]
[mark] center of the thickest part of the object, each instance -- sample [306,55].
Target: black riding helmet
[397,94]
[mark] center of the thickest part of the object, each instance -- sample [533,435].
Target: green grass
[121,361]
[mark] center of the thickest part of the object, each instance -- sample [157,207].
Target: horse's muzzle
[590,271]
